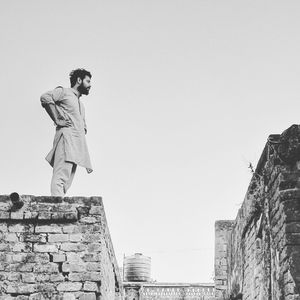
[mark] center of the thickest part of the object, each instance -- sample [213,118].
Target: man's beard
[83,90]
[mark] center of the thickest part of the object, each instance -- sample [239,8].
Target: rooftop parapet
[56,248]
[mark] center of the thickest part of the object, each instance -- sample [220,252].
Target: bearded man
[65,108]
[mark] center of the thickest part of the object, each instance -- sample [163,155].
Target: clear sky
[184,95]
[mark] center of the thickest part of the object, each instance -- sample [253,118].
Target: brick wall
[222,237]
[262,258]
[54,248]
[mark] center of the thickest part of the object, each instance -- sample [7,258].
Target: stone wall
[54,248]
[261,258]
[222,243]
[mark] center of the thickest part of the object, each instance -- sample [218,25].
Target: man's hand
[63,123]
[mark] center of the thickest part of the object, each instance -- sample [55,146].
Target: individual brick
[56,277]
[44,215]
[4,215]
[91,257]
[22,297]
[39,258]
[3,266]
[47,199]
[94,276]
[22,247]
[96,228]
[7,297]
[18,257]
[20,288]
[63,207]
[68,296]
[3,227]
[71,229]
[99,219]
[5,247]
[93,266]
[14,276]
[46,268]
[92,237]
[69,286]
[37,296]
[3,276]
[75,237]
[90,286]
[96,210]
[73,267]
[30,214]
[83,210]
[42,277]
[54,228]
[88,220]
[20,267]
[85,276]
[34,238]
[5,257]
[75,256]
[17,215]
[76,276]
[57,215]
[58,257]
[87,296]
[45,248]
[85,228]
[71,216]
[73,247]
[20,228]
[28,277]
[46,288]
[42,206]
[55,238]
[5,202]
[94,247]
[11,237]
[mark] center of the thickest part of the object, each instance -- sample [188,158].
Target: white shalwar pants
[63,171]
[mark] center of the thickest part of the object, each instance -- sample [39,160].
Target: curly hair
[81,73]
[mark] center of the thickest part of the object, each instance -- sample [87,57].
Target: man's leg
[69,182]
[63,171]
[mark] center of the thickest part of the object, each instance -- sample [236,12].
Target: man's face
[84,87]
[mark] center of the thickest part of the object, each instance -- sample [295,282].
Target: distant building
[138,285]
[168,291]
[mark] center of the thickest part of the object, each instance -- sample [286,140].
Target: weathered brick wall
[54,248]
[263,257]
[222,238]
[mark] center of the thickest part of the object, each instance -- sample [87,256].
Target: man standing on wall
[65,108]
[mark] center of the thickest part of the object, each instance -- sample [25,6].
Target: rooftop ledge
[45,208]
[37,218]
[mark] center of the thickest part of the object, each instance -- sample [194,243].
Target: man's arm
[48,101]
[85,127]
[52,112]
[83,116]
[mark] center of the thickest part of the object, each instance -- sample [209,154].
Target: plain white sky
[184,95]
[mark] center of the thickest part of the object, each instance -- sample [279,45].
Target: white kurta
[69,107]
